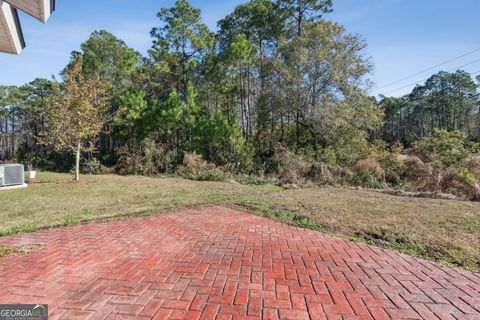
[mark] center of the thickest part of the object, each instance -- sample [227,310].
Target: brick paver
[219,263]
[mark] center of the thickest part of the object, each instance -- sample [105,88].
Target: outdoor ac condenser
[11,175]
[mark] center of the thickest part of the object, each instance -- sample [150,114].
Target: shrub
[213,174]
[196,168]
[392,166]
[397,148]
[321,173]
[194,162]
[434,176]
[461,183]
[328,157]
[415,168]
[150,158]
[129,161]
[293,168]
[168,163]
[368,181]
[94,166]
[424,176]
[350,151]
[473,166]
[368,167]
[451,148]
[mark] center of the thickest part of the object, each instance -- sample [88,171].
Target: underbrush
[194,167]
[444,163]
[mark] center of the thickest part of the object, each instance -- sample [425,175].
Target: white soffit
[11,37]
[40,9]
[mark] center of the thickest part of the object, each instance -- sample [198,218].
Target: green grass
[444,231]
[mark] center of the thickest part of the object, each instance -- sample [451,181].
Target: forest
[279,93]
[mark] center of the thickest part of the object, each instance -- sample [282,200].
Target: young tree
[77,112]
[130,117]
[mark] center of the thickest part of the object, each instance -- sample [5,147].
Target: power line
[414,83]
[428,69]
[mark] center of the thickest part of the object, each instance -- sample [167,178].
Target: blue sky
[404,36]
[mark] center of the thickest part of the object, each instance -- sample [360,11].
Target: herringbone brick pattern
[223,264]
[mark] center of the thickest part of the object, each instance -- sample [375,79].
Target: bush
[392,166]
[434,176]
[293,169]
[423,176]
[368,181]
[473,166]
[321,173]
[350,151]
[195,168]
[193,162]
[213,174]
[451,148]
[368,167]
[415,168]
[94,166]
[150,158]
[368,173]
[168,163]
[328,157]
[461,183]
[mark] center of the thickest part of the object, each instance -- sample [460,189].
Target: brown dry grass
[368,166]
[441,230]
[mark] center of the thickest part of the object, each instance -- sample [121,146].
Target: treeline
[447,101]
[274,72]
[277,86]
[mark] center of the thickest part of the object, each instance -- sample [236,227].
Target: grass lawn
[441,230]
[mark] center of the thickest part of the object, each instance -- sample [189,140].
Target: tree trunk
[77,162]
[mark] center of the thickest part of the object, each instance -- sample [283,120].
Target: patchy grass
[441,230]
[6,251]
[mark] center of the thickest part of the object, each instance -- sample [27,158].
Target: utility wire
[428,69]
[453,69]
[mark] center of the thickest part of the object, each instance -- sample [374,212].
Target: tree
[107,56]
[451,148]
[37,95]
[261,24]
[130,115]
[478,109]
[181,42]
[322,77]
[300,12]
[260,21]
[12,100]
[446,101]
[239,61]
[77,112]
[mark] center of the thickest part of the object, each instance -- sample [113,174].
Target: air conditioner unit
[12,175]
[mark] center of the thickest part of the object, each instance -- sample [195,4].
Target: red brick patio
[219,263]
